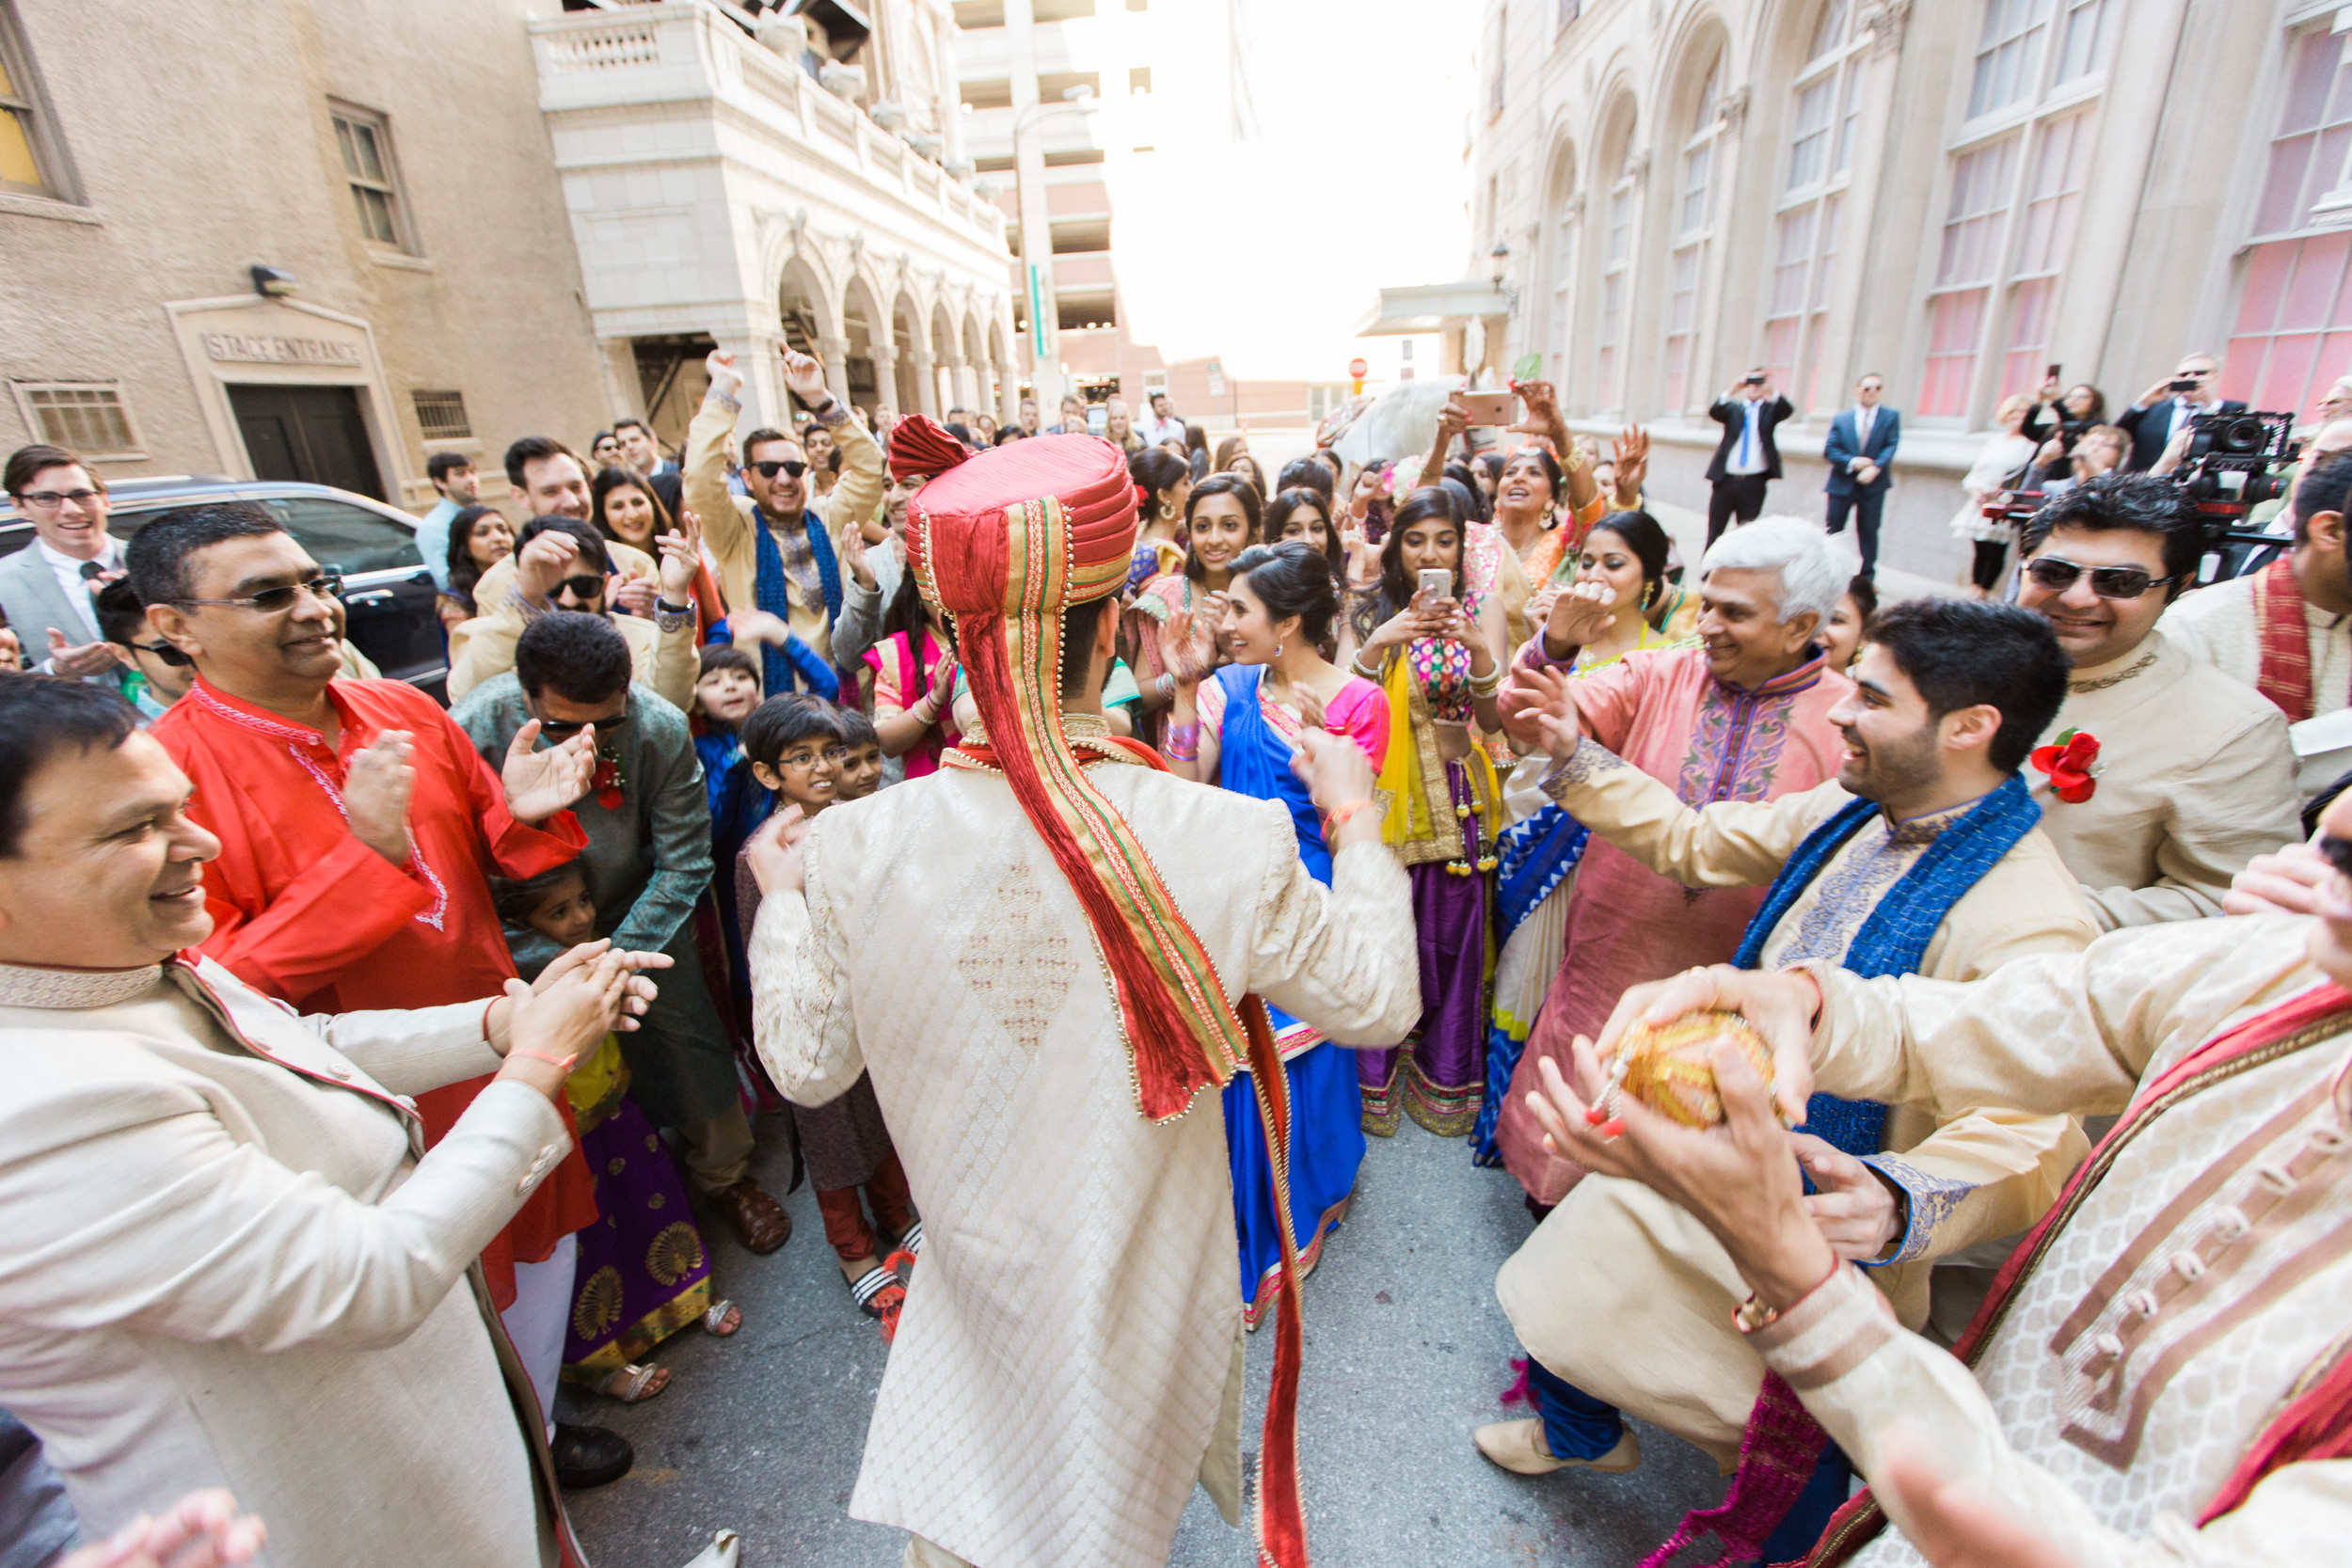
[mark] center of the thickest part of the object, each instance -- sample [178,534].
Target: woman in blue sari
[1238,729]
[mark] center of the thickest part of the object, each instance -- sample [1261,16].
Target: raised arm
[703,470]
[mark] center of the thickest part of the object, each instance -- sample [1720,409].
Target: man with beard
[1921,857]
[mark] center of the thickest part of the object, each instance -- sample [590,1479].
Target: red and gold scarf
[2285,674]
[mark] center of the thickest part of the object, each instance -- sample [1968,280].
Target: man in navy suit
[1860,449]
[2162,412]
[1747,459]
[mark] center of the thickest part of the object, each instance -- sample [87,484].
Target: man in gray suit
[46,588]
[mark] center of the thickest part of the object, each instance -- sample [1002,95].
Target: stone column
[966,394]
[834,352]
[622,389]
[926,383]
[886,371]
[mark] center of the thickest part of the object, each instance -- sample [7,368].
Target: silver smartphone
[1437,583]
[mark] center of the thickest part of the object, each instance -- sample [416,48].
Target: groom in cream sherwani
[1070,1360]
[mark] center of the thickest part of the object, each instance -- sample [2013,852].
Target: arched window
[1692,208]
[1616,259]
[1565,209]
[1825,105]
[2017,170]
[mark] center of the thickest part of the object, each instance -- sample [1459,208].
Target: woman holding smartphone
[1223,516]
[1432,642]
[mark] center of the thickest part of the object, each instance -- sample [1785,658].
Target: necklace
[2118,678]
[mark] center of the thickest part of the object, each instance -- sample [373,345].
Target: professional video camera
[2235,462]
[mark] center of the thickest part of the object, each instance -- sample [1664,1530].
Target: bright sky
[1270,252]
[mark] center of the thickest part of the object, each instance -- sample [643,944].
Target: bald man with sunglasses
[2161,777]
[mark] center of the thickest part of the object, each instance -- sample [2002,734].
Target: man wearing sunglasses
[2192,775]
[777,549]
[45,590]
[562,563]
[357,826]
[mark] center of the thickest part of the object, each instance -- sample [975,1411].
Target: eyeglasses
[564,729]
[806,759]
[164,651]
[2108,582]
[48,500]
[327,587]
[791,466]
[582,587]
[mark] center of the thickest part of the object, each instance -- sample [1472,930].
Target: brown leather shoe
[760,1223]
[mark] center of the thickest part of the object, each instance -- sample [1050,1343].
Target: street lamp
[1036,231]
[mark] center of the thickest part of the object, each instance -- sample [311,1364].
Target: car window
[344,538]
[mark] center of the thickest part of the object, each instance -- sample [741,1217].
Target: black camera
[2186,384]
[2235,462]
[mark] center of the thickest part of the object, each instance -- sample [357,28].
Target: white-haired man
[1745,715]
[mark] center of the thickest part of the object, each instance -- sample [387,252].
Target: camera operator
[2167,407]
[2286,630]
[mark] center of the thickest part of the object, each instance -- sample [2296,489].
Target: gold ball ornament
[1669,1067]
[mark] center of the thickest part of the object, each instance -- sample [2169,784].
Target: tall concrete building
[1056,95]
[1956,196]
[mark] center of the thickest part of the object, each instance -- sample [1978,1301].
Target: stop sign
[1358,369]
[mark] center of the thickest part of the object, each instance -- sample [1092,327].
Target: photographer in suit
[1860,449]
[2169,404]
[1747,459]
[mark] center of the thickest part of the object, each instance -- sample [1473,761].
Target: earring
[1277,650]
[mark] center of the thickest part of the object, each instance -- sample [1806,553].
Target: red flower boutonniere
[608,778]
[2071,763]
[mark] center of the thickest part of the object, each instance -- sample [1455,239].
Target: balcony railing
[692,51]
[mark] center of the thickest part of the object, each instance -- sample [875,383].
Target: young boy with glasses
[796,746]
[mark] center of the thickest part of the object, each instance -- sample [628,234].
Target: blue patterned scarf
[1895,936]
[776,671]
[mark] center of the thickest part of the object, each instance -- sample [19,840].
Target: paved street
[1406,1352]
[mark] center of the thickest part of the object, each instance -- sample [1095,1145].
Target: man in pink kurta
[1743,716]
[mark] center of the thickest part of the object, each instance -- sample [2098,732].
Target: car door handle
[373,596]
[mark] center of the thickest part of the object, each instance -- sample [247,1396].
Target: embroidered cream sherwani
[1969,1174]
[2216,625]
[229,1262]
[1068,1342]
[2195,778]
[2115,1456]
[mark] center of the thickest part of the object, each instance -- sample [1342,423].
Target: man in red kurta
[357,828]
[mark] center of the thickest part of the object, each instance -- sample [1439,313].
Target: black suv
[387,594]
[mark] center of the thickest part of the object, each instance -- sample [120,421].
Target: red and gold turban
[1004,542]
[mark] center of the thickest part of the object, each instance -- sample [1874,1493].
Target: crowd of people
[958,804]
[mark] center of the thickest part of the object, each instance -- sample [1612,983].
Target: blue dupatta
[1254,759]
[1895,937]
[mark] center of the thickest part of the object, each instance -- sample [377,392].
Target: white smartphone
[1437,583]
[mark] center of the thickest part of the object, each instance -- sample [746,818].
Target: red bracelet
[1339,814]
[564,1062]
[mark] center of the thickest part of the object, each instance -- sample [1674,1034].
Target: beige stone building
[1956,194]
[388,163]
[472,220]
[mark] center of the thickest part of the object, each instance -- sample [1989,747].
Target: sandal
[633,1384]
[722,1319]
[880,1293]
[904,1251]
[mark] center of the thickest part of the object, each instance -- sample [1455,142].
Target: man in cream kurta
[1068,1360]
[1965,1173]
[2195,1282]
[2194,776]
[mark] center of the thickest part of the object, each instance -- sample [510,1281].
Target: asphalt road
[1406,1352]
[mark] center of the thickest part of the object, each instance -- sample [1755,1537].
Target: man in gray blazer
[46,588]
